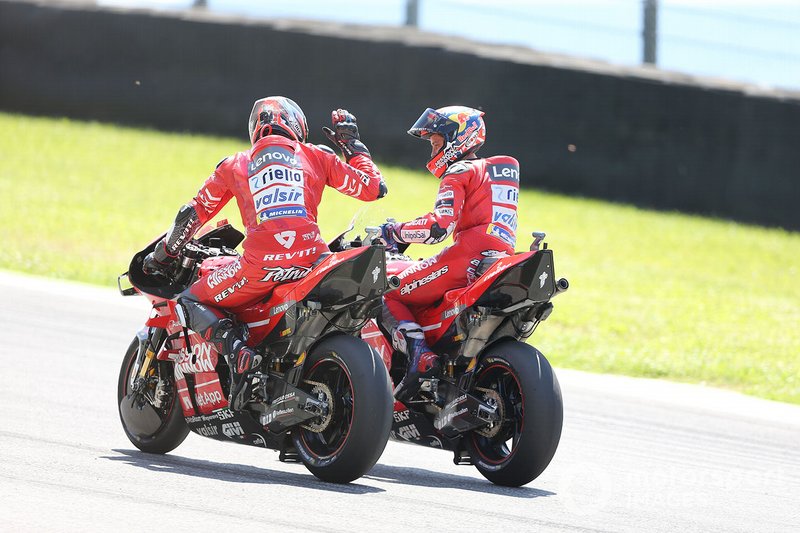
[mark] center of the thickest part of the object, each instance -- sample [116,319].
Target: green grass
[652,294]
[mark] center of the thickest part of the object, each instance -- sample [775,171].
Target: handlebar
[372,233]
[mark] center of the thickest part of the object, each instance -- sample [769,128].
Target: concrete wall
[641,136]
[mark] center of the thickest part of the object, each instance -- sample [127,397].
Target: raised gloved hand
[158,262]
[345,134]
[388,237]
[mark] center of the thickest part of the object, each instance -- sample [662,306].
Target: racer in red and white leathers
[476,203]
[277,184]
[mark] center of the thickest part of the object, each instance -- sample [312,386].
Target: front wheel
[349,439]
[151,429]
[519,380]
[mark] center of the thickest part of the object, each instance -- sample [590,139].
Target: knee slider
[405,332]
[197,316]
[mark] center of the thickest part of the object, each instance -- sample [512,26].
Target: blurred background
[755,41]
[658,142]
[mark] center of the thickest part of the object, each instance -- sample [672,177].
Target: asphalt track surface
[635,455]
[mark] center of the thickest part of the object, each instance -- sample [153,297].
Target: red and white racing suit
[278,185]
[477,203]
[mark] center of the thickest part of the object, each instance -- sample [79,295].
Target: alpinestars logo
[286,238]
[542,279]
[285,274]
[424,281]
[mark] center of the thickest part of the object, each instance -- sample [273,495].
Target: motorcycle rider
[476,203]
[277,184]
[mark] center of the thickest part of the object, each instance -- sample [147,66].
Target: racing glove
[389,237]
[158,262]
[345,134]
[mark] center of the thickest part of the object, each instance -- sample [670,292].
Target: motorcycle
[497,403]
[320,395]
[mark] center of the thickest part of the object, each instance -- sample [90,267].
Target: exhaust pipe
[393,282]
[562,285]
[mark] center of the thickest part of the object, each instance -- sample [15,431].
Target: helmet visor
[430,122]
[252,123]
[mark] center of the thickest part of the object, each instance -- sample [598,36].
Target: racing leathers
[477,204]
[278,186]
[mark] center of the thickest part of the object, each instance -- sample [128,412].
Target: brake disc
[324,394]
[492,398]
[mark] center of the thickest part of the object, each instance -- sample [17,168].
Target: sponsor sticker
[272,155]
[414,285]
[223,273]
[230,290]
[505,216]
[291,273]
[409,432]
[504,172]
[416,222]
[273,175]
[452,312]
[443,203]
[279,194]
[501,233]
[208,398]
[286,238]
[505,194]
[232,429]
[401,416]
[199,360]
[281,308]
[413,235]
[290,255]
[420,265]
[281,212]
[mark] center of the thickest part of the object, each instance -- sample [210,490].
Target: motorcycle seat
[320,259]
[484,265]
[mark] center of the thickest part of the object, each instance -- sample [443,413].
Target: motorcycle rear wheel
[521,378]
[349,441]
[151,429]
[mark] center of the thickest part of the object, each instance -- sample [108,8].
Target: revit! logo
[286,238]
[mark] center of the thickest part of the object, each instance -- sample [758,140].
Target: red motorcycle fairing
[373,335]
[261,319]
[201,363]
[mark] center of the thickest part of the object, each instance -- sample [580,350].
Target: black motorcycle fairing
[237,426]
[527,282]
[223,236]
[344,298]
[362,278]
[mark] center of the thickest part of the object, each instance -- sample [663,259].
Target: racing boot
[423,363]
[241,361]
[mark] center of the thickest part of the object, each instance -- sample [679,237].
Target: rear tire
[517,451]
[346,444]
[162,429]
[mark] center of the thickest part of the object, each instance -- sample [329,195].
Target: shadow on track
[404,475]
[233,473]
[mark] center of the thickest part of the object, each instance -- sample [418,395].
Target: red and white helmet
[463,130]
[277,115]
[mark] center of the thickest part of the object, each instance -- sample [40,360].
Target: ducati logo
[286,238]
[542,279]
